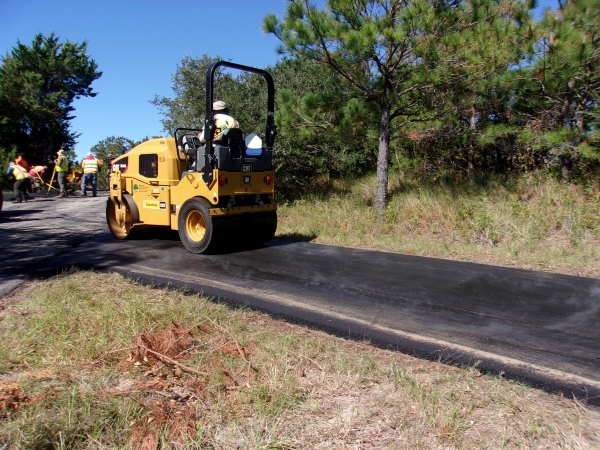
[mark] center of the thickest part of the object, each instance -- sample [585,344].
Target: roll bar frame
[209,121]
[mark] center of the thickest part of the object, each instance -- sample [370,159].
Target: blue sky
[138,44]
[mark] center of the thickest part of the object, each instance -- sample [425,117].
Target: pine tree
[38,85]
[569,77]
[394,54]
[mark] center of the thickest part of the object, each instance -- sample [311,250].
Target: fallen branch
[240,351]
[248,373]
[104,355]
[187,331]
[168,360]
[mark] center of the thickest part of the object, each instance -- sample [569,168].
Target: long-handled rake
[38,177]
[50,184]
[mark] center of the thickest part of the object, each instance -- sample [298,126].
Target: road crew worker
[20,161]
[223,121]
[90,166]
[36,173]
[22,181]
[62,168]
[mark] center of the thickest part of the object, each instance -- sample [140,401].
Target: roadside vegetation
[93,360]
[530,221]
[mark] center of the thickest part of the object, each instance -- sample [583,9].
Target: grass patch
[95,360]
[530,222]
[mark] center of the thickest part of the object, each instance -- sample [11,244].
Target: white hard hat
[219,105]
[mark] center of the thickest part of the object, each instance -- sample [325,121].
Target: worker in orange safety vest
[90,165]
[22,181]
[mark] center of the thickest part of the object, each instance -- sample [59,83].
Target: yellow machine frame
[159,199]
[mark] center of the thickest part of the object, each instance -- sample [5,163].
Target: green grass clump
[68,348]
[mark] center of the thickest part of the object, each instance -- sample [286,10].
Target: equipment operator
[223,121]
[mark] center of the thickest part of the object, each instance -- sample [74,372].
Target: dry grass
[534,222]
[97,361]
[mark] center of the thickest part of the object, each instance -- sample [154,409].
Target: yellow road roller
[213,193]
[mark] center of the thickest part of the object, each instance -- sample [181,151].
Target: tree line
[443,87]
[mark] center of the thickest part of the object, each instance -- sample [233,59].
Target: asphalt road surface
[539,327]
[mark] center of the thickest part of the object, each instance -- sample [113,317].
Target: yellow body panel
[153,203]
[192,185]
[160,189]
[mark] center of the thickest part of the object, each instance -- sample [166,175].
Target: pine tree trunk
[471,155]
[564,113]
[381,193]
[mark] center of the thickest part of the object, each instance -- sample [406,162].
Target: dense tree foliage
[539,113]
[38,85]
[317,139]
[396,55]
[567,78]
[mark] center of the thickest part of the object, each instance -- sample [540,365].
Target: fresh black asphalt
[538,327]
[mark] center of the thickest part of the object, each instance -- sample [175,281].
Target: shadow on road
[234,245]
[290,238]
[83,256]
[6,216]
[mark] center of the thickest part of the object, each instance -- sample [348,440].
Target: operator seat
[234,139]
[191,146]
